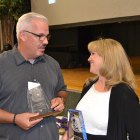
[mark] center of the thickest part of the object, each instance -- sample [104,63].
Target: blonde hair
[116,66]
[25,21]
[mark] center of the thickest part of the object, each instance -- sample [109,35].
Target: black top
[124,113]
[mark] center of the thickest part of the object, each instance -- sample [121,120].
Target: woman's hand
[65,136]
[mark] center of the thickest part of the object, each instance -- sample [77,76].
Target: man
[21,65]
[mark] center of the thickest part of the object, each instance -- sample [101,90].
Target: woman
[108,102]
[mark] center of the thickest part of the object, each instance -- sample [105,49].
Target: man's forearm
[6,117]
[63,95]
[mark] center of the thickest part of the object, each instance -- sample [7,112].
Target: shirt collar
[20,59]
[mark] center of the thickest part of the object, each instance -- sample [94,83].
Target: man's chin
[40,53]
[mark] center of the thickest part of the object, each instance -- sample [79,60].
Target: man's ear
[22,36]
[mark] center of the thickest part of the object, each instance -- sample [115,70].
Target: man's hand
[23,120]
[57,104]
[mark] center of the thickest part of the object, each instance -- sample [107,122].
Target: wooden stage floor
[75,78]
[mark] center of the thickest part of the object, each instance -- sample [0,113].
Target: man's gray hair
[25,20]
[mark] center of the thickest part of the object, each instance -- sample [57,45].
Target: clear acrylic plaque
[37,100]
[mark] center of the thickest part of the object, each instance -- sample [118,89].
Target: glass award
[76,126]
[37,100]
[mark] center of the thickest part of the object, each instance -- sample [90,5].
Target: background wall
[74,23]
[74,11]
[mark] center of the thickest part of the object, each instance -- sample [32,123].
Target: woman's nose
[89,58]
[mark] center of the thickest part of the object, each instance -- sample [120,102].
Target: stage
[75,78]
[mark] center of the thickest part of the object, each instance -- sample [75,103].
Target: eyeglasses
[41,37]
